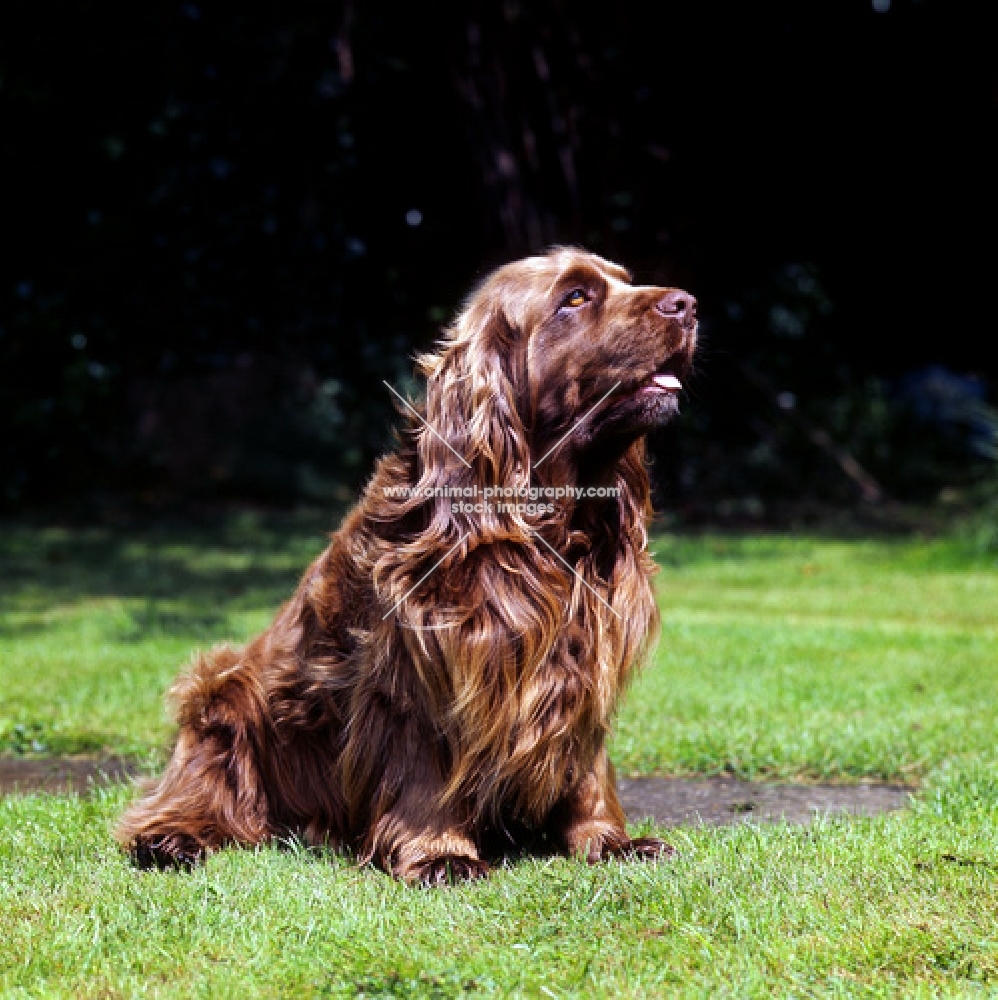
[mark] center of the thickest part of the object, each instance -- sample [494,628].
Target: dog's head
[557,350]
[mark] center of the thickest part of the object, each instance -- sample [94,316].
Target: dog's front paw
[599,843]
[446,870]
[175,850]
[646,849]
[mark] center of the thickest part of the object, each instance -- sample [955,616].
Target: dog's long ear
[475,607]
[476,438]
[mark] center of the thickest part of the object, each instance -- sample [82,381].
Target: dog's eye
[575,298]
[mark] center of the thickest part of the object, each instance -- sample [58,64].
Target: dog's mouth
[650,401]
[666,380]
[662,384]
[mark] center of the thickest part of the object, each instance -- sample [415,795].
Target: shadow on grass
[187,576]
[951,551]
[183,580]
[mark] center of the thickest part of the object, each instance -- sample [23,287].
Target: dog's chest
[551,736]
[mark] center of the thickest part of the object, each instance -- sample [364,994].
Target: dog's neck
[591,520]
[595,464]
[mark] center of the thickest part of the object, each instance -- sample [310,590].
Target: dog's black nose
[676,304]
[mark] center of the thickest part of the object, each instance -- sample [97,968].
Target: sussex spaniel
[444,678]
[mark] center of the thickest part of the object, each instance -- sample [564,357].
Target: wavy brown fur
[414,720]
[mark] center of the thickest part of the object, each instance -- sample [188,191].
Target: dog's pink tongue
[668,382]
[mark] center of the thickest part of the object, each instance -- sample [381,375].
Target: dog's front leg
[423,845]
[589,822]
[411,831]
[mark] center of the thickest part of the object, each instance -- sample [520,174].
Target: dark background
[224,227]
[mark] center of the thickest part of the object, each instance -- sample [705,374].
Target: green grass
[95,624]
[795,657]
[780,656]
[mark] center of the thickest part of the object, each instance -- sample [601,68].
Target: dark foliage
[226,227]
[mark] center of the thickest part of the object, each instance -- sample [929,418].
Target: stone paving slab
[724,801]
[61,774]
[668,801]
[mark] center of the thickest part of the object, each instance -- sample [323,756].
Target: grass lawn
[780,657]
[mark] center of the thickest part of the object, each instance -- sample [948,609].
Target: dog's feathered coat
[416,716]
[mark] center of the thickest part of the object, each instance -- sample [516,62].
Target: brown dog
[445,675]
